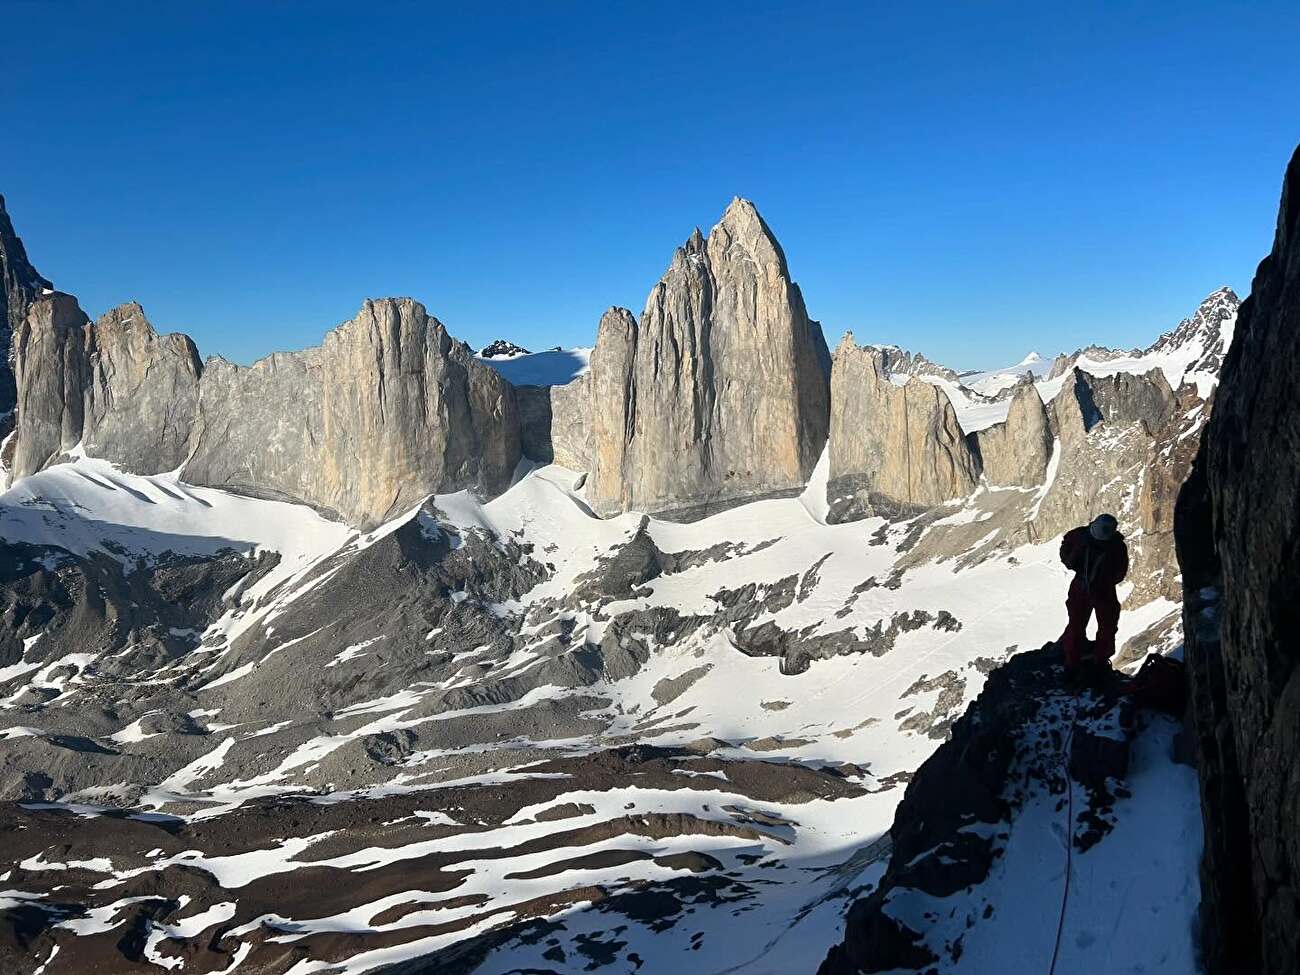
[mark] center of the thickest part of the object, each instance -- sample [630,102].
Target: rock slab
[894,450]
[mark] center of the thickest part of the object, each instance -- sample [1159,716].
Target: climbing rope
[1069,835]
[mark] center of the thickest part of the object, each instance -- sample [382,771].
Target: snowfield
[753,871]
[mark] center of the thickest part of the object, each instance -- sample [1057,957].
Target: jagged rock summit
[20,285]
[720,392]
[502,349]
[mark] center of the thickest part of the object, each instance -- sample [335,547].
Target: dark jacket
[1096,564]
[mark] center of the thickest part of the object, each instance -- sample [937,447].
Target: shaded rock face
[1169,461]
[20,285]
[894,450]
[1126,398]
[387,410]
[720,392]
[116,387]
[1238,535]
[534,406]
[1016,451]
[555,423]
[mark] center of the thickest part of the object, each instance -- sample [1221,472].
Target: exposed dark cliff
[1011,749]
[20,285]
[1238,535]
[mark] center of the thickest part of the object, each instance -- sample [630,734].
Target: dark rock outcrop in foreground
[952,822]
[1238,534]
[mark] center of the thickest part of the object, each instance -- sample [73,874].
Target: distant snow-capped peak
[502,349]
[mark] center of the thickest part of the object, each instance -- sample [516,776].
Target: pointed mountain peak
[1030,359]
[743,225]
[1223,297]
[739,207]
[743,219]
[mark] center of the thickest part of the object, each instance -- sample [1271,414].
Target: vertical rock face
[20,285]
[720,393]
[116,387]
[613,408]
[1016,451]
[555,423]
[571,412]
[1127,398]
[1238,535]
[387,410]
[894,450]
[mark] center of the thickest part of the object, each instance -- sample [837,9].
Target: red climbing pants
[1080,604]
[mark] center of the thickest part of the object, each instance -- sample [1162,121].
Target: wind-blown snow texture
[609,744]
[555,367]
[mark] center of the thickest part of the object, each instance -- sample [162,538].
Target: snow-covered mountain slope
[1054,831]
[1190,352]
[491,736]
[555,367]
[502,349]
[993,381]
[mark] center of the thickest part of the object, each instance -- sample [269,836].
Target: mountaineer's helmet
[1103,528]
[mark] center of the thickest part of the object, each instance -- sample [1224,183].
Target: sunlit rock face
[114,388]
[1016,451]
[719,393]
[894,450]
[388,409]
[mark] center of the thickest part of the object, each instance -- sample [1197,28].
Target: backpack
[1160,684]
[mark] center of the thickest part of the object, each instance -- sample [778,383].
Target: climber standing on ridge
[1097,555]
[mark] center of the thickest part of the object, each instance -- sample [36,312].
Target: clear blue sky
[969,180]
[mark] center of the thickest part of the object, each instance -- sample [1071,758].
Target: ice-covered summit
[502,349]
